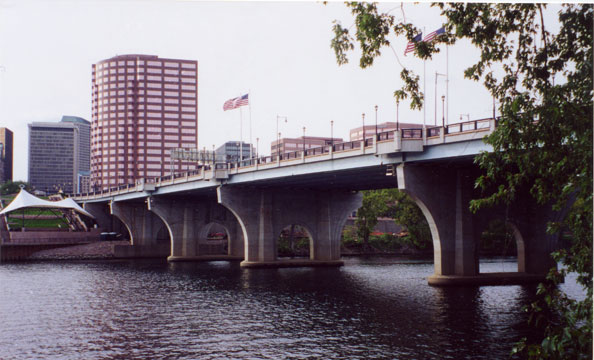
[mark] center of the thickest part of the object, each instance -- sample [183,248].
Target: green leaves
[542,80]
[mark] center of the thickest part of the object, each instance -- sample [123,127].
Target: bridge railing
[473,125]
[413,133]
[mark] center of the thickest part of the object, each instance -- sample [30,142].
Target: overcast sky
[279,52]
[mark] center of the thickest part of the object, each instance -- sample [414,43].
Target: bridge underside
[253,214]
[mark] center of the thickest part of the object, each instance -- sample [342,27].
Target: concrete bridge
[317,189]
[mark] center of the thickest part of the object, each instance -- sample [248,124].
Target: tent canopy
[25,200]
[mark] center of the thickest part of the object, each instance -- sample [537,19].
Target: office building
[285,145]
[231,149]
[6,139]
[57,153]
[357,133]
[143,106]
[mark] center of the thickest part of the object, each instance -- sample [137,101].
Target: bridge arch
[292,229]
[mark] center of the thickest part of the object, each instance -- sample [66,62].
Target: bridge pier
[443,194]
[263,213]
[143,227]
[188,226]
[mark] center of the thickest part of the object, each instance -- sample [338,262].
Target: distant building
[84,182]
[6,139]
[357,133]
[231,150]
[285,145]
[143,106]
[57,153]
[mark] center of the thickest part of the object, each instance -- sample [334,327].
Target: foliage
[13,187]
[406,213]
[374,205]
[394,204]
[543,142]
[497,239]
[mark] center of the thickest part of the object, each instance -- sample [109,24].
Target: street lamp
[443,111]
[257,147]
[278,138]
[304,141]
[397,106]
[436,76]
[278,145]
[363,117]
[332,133]
[376,121]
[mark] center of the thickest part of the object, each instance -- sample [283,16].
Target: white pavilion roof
[26,200]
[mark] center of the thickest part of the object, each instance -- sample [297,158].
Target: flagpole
[424,91]
[240,135]
[447,85]
[250,112]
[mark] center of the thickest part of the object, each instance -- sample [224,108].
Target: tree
[543,83]
[405,212]
[13,187]
[397,205]
[374,205]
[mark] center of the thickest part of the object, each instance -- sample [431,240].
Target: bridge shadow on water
[371,307]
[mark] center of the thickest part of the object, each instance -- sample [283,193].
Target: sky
[278,52]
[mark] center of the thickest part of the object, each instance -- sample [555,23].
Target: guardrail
[406,134]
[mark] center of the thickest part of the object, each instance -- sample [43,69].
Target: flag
[412,44]
[434,34]
[236,102]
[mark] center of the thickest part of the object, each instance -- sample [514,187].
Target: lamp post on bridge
[278,137]
[332,134]
[363,117]
[278,146]
[397,112]
[304,141]
[436,76]
[376,122]
[443,111]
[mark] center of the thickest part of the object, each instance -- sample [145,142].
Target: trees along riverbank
[540,74]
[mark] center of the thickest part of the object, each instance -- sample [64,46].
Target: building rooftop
[75,119]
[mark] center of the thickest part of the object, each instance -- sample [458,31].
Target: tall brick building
[142,107]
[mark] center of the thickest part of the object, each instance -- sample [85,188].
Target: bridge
[318,188]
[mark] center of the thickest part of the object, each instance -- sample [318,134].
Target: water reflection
[368,309]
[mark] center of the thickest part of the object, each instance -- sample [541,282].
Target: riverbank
[92,251]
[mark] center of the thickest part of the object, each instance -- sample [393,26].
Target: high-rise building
[57,154]
[143,106]
[6,137]
[285,145]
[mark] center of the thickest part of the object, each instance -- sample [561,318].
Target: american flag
[236,102]
[434,34]
[412,44]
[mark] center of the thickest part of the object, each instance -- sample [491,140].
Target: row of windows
[112,79]
[148,85]
[113,64]
[158,100]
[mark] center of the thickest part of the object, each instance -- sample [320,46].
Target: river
[376,308]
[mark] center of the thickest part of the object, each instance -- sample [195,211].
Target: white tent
[26,200]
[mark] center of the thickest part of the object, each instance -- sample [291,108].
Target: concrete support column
[188,223]
[263,213]
[102,215]
[443,195]
[143,227]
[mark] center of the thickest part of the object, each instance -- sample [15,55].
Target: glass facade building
[57,153]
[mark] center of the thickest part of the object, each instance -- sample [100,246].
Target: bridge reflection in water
[146,309]
[317,189]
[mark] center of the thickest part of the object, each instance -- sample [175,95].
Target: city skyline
[260,48]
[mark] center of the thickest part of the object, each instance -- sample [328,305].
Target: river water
[380,308]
